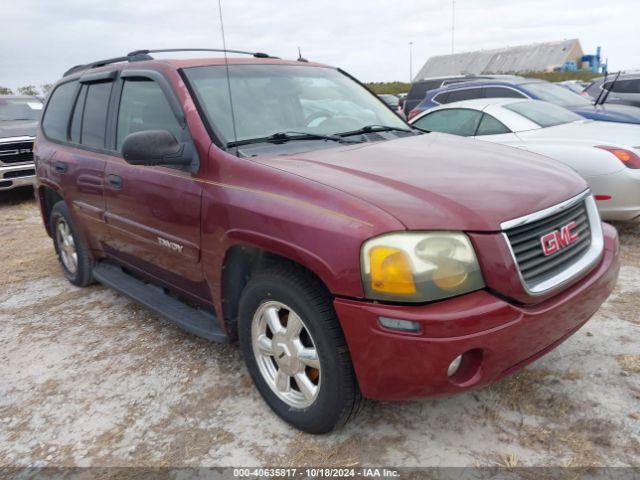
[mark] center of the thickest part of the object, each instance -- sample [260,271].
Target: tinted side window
[56,118]
[76,119]
[143,106]
[501,92]
[441,98]
[466,94]
[491,126]
[624,86]
[94,120]
[458,121]
[420,89]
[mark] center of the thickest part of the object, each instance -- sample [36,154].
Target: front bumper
[12,176]
[500,337]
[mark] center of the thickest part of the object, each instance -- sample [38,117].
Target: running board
[194,320]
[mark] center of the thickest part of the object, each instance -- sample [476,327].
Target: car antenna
[597,100]
[606,94]
[226,65]
[300,58]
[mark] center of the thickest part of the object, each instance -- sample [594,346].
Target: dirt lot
[88,378]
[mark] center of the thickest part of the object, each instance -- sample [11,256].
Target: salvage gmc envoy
[281,204]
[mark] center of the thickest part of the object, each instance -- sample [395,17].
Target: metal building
[537,57]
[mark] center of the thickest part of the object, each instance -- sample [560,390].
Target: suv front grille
[16,152]
[539,271]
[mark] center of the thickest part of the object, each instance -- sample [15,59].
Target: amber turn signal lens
[629,158]
[391,271]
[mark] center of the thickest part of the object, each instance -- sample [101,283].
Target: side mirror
[156,147]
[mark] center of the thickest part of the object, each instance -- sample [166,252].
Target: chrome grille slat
[525,241]
[551,224]
[16,152]
[531,252]
[553,261]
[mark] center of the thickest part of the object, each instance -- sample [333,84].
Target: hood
[439,181]
[609,113]
[18,128]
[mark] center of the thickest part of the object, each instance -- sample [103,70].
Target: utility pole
[453,23]
[410,62]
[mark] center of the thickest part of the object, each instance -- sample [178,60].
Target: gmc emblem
[557,240]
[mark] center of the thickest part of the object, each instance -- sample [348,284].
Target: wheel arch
[245,257]
[48,197]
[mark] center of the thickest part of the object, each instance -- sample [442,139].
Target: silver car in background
[19,117]
[625,89]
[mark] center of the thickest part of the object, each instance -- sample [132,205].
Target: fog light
[454,366]
[397,324]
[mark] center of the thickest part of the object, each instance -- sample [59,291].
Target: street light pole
[410,62]
[453,23]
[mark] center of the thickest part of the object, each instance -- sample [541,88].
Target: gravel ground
[87,378]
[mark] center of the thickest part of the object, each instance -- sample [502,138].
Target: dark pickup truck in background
[19,117]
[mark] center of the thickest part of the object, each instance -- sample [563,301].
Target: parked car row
[349,253]
[527,88]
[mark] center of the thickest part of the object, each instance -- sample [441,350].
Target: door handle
[60,167]
[115,181]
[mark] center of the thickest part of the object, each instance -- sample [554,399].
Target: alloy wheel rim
[67,246]
[286,354]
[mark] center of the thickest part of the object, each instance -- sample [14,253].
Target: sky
[368,38]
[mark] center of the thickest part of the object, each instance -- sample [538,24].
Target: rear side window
[441,97]
[624,86]
[143,106]
[76,119]
[457,121]
[56,118]
[94,121]
[420,89]
[491,126]
[466,94]
[501,92]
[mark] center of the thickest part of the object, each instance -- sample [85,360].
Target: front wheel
[295,350]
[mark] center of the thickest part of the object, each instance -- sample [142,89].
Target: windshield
[269,99]
[556,94]
[542,113]
[20,109]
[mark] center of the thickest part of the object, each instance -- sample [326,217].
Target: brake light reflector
[629,158]
[603,197]
[413,113]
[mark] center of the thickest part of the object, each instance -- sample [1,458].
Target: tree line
[30,90]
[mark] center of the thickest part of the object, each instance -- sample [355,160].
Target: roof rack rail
[139,55]
[219,50]
[102,63]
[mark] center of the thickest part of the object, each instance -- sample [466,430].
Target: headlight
[419,267]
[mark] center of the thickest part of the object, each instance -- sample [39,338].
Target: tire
[337,397]
[65,242]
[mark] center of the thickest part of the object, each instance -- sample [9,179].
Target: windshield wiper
[283,137]
[376,128]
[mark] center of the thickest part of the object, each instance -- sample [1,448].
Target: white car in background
[606,154]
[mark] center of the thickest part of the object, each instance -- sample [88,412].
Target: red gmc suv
[282,204]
